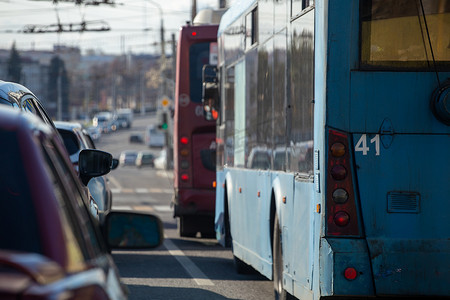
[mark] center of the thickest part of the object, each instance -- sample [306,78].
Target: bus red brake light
[341,209]
[184,177]
[184,140]
[194,33]
[350,273]
[341,218]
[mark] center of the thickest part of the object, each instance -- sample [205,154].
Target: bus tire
[185,227]
[279,291]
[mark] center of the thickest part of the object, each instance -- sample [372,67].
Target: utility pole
[193,10]
[174,64]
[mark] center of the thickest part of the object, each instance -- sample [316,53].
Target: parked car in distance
[145,158]
[51,247]
[75,139]
[154,138]
[128,158]
[94,132]
[125,117]
[136,138]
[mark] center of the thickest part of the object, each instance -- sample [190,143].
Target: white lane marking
[161,191]
[123,207]
[199,277]
[162,208]
[114,182]
[141,191]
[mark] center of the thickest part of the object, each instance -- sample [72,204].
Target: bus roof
[233,13]
[209,16]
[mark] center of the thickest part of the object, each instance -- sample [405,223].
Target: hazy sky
[127,20]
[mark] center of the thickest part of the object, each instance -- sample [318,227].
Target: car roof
[9,89]
[13,118]
[67,125]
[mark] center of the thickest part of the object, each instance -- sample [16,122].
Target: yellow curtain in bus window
[394,32]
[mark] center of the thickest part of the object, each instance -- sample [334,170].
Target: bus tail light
[184,140]
[184,177]
[350,273]
[341,209]
[184,164]
[184,152]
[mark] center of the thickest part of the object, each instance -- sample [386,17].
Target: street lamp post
[163,46]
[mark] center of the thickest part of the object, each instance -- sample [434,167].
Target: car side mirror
[114,164]
[93,163]
[132,230]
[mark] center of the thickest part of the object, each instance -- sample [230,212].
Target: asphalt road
[182,268]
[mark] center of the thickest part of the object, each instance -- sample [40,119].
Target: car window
[31,105]
[18,221]
[74,207]
[5,102]
[70,141]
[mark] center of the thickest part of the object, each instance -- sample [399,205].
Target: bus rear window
[198,56]
[394,33]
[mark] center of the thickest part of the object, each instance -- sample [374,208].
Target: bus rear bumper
[338,255]
[194,202]
[411,267]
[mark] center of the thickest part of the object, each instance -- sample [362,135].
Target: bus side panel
[301,248]
[219,219]
[251,245]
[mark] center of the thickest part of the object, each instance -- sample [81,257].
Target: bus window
[396,34]
[198,57]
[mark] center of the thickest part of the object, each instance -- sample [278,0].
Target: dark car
[75,139]
[51,247]
[136,138]
[17,96]
[145,158]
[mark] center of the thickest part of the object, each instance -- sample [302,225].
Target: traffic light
[163,121]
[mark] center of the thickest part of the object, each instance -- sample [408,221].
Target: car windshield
[18,222]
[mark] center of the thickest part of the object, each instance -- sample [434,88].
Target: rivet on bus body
[337,149]
[350,273]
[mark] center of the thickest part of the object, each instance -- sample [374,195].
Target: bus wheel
[186,227]
[280,292]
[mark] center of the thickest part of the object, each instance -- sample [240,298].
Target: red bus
[193,136]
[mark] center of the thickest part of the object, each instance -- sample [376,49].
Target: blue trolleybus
[333,145]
